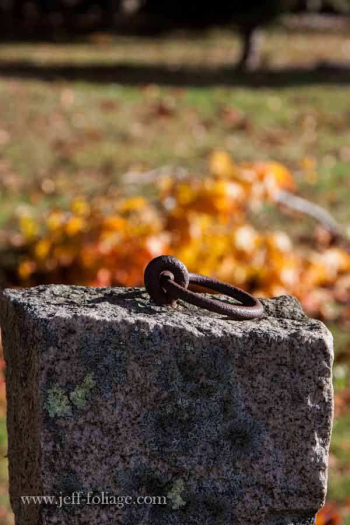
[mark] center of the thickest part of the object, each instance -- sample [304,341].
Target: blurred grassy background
[75,117]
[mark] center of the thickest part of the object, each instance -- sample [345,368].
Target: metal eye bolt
[167,279]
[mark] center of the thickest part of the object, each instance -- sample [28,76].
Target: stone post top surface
[132,305]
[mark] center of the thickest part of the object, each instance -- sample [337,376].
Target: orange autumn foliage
[329,515]
[204,221]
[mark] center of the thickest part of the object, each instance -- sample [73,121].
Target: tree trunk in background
[252,44]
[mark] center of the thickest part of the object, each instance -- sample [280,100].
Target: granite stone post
[112,398]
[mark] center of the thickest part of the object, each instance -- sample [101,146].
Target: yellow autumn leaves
[204,221]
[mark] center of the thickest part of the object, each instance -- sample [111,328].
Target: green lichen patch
[80,394]
[175,494]
[58,402]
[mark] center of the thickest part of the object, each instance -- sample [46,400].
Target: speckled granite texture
[107,392]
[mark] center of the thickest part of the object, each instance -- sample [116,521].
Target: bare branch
[306,207]
[317,213]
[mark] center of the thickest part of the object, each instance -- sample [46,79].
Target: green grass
[54,130]
[341,439]
[75,118]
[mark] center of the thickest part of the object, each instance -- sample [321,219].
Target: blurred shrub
[155,15]
[197,13]
[68,14]
[337,6]
[204,221]
[326,6]
[329,515]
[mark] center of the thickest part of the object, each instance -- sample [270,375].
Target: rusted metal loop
[167,279]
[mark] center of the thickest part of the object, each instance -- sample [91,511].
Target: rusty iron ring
[167,279]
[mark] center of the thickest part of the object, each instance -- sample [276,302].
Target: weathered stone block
[109,393]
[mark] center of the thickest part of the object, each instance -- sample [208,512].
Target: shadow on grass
[138,74]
